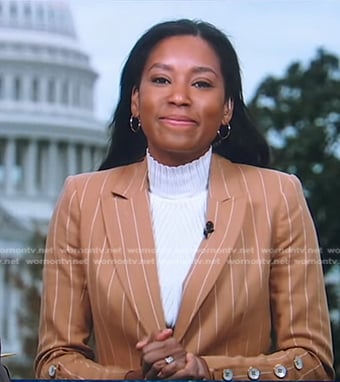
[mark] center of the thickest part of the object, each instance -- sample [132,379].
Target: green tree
[300,115]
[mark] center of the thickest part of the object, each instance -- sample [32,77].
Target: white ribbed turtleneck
[178,197]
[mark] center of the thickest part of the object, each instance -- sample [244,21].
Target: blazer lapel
[226,209]
[127,205]
[132,237]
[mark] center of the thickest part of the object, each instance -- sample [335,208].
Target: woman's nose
[179,94]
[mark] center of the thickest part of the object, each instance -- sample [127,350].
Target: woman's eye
[202,84]
[160,80]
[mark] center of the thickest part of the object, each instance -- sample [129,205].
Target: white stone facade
[47,129]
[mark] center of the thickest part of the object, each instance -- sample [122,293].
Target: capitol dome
[49,16]
[48,129]
[47,124]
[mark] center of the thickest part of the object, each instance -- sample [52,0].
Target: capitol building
[48,130]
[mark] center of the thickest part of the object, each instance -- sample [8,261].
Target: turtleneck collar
[175,182]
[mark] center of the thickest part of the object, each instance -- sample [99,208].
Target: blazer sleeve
[300,319]
[65,318]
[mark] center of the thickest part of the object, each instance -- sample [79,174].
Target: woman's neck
[179,181]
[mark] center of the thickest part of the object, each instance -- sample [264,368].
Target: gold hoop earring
[135,124]
[223,132]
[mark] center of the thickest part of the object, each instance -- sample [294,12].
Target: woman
[184,256]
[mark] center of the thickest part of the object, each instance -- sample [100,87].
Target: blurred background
[60,63]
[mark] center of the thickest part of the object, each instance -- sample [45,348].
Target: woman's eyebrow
[159,65]
[204,69]
[195,69]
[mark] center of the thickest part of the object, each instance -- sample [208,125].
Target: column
[2,163]
[44,170]
[2,87]
[43,90]
[58,91]
[8,88]
[69,89]
[91,96]
[71,159]
[86,164]
[2,299]
[30,169]
[71,94]
[26,87]
[98,157]
[52,188]
[10,154]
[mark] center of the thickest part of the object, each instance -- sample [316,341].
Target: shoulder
[251,171]
[253,178]
[100,176]
[106,181]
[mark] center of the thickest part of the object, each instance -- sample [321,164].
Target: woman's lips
[178,121]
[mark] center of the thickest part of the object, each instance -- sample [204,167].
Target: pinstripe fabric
[257,273]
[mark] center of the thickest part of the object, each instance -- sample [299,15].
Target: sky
[268,35]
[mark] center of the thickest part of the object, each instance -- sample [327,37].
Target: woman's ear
[228,111]
[135,102]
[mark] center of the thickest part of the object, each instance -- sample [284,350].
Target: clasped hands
[163,357]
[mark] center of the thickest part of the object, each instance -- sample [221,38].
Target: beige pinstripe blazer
[257,273]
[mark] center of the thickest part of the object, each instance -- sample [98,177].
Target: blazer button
[52,371]
[298,363]
[227,375]
[280,371]
[254,373]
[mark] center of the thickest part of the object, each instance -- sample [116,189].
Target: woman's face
[181,99]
